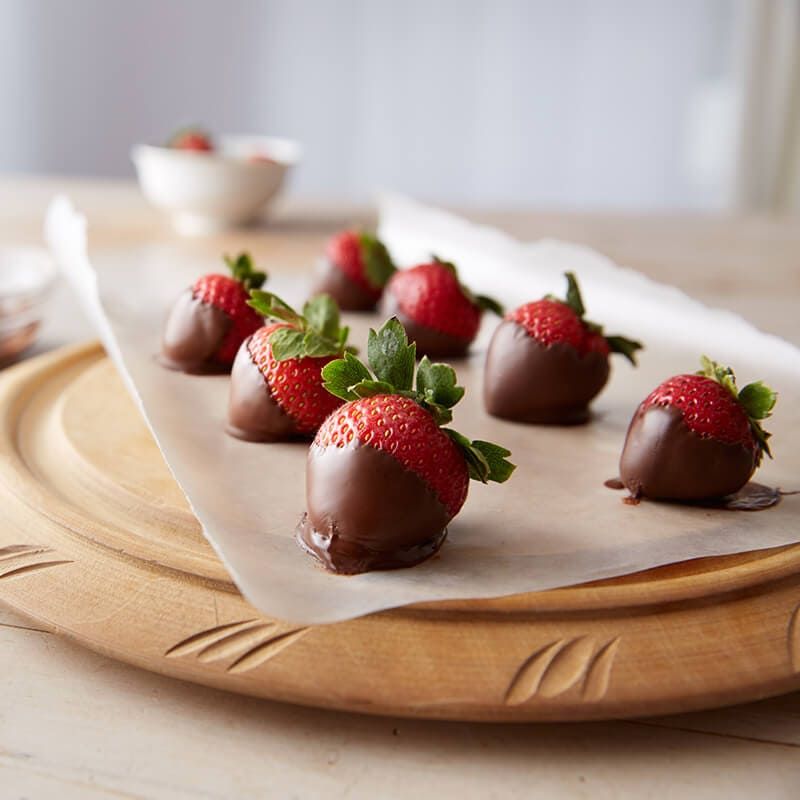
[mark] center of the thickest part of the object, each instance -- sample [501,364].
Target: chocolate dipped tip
[253,414]
[429,341]
[365,511]
[192,336]
[663,460]
[525,381]
[349,295]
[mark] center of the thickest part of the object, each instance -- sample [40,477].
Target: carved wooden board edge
[469,665]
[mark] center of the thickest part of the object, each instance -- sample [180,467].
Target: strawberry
[211,319]
[354,271]
[384,477]
[192,139]
[696,436]
[551,321]
[287,399]
[546,362]
[440,315]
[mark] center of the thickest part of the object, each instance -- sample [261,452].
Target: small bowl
[26,275]
[207,192]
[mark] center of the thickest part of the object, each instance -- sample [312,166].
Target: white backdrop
[593,103]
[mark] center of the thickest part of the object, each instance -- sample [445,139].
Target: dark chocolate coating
[253,414]
[430,342]
[526,381]
[664,460]
[347,293]
[193,333]
[367,512]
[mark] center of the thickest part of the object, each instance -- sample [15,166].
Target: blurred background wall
[623,104]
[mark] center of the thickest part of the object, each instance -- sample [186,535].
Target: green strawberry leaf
[317,346]
[322,316]
[378,265]
[486,461]
[722,375]
[437,383]
[487,303]
[627,347]
[758,400]
[390,355]
[341,375]
[287,343]
[442,415]
[477,464]
[243,271]
[500,468]
[314,334]
[270,305]
[574,299]
[392,361]
[370,388]
[449,265]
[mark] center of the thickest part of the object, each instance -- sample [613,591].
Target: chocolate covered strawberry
[276,387]
[384,477]
[210,319]
[440,314]
[354,270]
[696,437]
[192,139]
[546,362]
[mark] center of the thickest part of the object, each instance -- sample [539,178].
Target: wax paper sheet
[553,524]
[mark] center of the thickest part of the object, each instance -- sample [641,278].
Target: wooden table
[75,724]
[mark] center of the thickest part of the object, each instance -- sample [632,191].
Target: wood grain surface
[77,724]
[119,563]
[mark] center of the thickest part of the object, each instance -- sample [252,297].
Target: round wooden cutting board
[98,543]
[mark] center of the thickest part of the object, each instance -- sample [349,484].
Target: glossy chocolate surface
[367,512]
[332,281]
[525,381]
[192,335]
[253,414]
[430,342]
[663,460]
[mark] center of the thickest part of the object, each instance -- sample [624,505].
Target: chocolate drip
[253,414]
[367,512]
[347,293]
[430,342]
[662,459]
[525,381]
[751,497]
[192,335]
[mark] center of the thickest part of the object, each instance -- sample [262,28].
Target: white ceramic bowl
[207,192]
[26,274]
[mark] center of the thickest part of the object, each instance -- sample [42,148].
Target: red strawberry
[191,139]
[398,426]
[546,362]
[696,436]
[440,314]
[211,319]
[276,385]
[354,271]
[551,322]
[383,477]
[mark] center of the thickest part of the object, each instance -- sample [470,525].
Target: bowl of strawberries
[207,184]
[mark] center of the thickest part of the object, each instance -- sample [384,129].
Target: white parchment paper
[553,524]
